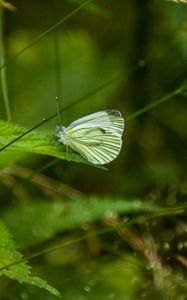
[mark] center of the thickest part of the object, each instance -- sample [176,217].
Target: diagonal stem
[46,32]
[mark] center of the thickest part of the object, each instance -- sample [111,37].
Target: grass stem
[3,71]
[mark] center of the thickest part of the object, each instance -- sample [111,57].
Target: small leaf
[7,5]
[19,271]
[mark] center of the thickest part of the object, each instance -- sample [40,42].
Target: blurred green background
[142,45]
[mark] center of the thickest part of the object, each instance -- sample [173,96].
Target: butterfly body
[97,137]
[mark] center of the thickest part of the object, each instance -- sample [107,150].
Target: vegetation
[68,228]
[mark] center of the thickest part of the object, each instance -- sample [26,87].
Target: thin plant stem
[57,57]
[45,33]
[148,107]
[156,103]
[57,63]
[23,134]
[3,71]
[159,211]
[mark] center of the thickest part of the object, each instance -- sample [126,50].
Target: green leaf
[20,271]
[35,222]
[34,142]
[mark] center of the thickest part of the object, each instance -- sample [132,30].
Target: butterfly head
[61,134]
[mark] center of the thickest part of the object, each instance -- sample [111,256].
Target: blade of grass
[157,102]
[57,57]
[3,71]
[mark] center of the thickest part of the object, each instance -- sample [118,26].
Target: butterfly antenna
[58,110]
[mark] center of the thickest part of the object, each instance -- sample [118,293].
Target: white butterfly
[97,137]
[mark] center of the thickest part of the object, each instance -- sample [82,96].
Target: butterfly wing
[97,137]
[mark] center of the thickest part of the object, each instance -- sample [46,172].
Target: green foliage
[19,271]
[121,234]
[36,222]
[33,142]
